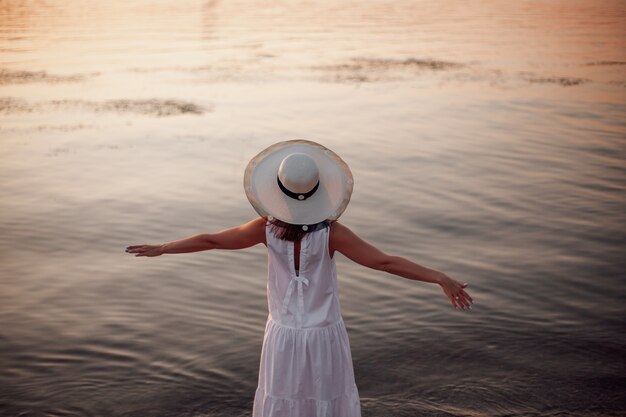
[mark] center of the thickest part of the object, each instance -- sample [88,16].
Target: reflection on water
[487,140]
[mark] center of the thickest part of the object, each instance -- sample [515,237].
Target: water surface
[487,140]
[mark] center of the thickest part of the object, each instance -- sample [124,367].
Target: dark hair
[291,232]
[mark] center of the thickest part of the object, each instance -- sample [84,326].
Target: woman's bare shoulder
[337,232]
[338,229]
[253,231]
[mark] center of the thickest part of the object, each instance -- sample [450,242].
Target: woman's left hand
[145,250]
[454,290]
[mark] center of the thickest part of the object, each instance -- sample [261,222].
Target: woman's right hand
[145,250]
[454,290]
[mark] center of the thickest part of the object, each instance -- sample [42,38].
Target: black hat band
[297,196]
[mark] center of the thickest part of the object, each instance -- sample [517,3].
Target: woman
[300,189]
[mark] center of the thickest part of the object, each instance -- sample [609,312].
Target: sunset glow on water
[486,139]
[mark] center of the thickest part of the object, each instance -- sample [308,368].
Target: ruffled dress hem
[345,405]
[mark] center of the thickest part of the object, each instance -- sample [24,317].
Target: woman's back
[307,297]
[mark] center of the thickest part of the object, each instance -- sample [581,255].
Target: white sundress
[306,364]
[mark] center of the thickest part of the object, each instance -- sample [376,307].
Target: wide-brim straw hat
[316,183]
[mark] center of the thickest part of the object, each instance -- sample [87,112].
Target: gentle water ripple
[474,151]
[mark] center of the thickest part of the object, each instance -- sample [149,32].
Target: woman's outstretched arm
[349,244]
[239,237]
